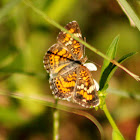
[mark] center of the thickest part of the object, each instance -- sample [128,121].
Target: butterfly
[70,78]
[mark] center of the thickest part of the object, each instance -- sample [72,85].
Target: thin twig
[55,122]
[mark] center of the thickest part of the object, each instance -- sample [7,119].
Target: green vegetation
[27,108]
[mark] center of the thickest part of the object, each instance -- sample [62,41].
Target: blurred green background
[24,39]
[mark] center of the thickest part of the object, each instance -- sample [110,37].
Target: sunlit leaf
[109,71]
[117,136]
[138,133]
[109,68]
[123,58]
[106,68]
[111,53]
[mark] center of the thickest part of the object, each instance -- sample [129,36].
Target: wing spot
[55,51]
[66,39]
[71,30]
[74,42]
[68,35]
[82,92]
[77,34]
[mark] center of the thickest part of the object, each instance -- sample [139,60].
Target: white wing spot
[68,43]
[91,66]
[71,39]
[91,88]
[77,34]
[96,85]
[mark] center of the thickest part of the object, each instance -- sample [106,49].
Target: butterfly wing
[75,47]
[63,85]
[56,58]
[68,78]
[85,89]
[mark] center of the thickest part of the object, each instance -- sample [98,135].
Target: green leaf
[117,136]
[111,53]
[122,59]
[7,8]
[138,133]
[109,71]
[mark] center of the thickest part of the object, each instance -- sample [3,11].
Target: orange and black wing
[63,85]
[56,58]
[75,47]
[85,89]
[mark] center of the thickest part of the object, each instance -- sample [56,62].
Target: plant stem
[110,119]
[55,122]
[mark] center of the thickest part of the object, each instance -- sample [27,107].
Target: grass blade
[129,12]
